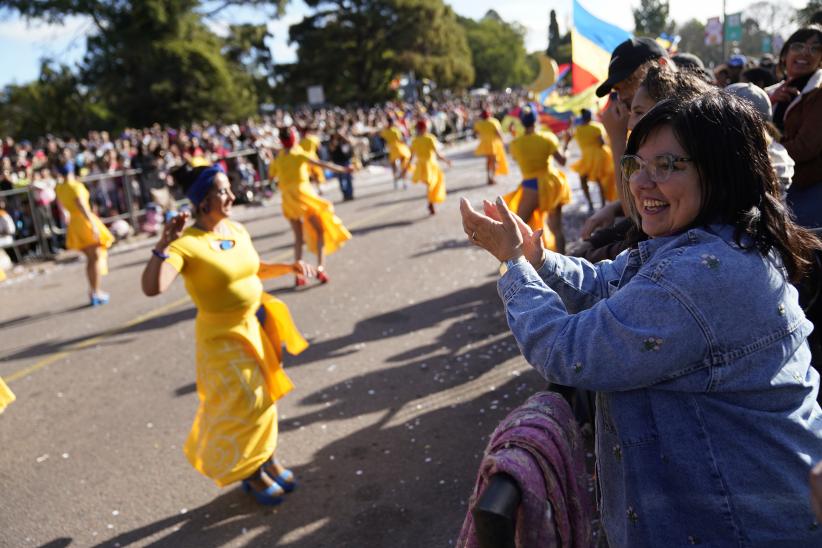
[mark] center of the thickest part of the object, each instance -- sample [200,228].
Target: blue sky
[22,45]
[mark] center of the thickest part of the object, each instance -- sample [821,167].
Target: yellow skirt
[496,149]
[6,395]
[300,202]
[239,379]
[80,236]
[597,164]
[554,191]
[430,174]
[399,151]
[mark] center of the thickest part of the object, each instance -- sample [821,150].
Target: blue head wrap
[528,117]
[65,169]
[202,184]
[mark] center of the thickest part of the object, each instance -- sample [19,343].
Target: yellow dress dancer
[6,395]
[310,143]
[544,189]
[491,146]
[399,155]
[239,334]
[425,150]
[312,218]
[80,232]
[596,162]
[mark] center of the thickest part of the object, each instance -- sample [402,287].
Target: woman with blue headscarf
[240,331]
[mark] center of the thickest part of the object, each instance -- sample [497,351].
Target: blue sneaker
[99,299]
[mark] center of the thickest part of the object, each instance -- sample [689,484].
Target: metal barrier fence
[120,195]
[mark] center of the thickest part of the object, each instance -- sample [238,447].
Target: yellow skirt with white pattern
[300,202]
[597,164]
[431,174]
[239,379]
[554,191]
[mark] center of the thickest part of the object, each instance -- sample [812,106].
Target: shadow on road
[53,347]
[31,318]
[373,488]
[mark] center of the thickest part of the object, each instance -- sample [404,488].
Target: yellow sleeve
[178,254]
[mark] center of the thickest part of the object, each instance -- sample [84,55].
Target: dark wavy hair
[725,138]
[661,83]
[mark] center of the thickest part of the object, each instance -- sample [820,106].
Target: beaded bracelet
[160,254]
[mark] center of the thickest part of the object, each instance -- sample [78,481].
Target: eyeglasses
[801,47]
[659,169]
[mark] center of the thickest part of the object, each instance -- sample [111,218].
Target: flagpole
[724,32]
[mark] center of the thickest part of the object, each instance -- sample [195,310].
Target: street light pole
[724,31]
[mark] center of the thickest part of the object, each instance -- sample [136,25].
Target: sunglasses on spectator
[658,169]
[800,47]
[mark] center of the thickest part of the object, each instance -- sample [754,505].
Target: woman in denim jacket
[707,421]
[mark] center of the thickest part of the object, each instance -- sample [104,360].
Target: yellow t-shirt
[310,144]
[589,135]
[290,168]
[533,152]
[218,280]
[487,130]
[68,192]
[424,147]
[391,135]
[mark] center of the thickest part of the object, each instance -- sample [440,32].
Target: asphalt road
[410,368]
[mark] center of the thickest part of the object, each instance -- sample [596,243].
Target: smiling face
[217,204]
[670,206]
[641,104]
[801,61]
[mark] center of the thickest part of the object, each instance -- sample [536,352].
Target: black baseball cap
[626,58]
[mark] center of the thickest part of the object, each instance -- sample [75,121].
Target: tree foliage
[651,18]
[692,35]
[804,16]
[498,52]
[156,60]
[354,48]
[54,103]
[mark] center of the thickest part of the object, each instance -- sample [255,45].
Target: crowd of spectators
[131,170]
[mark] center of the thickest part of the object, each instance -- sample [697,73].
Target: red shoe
[299,280]
[431,209]
[323,277]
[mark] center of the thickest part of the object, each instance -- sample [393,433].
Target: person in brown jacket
[797,113]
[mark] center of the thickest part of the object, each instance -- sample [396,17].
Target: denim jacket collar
[649,247]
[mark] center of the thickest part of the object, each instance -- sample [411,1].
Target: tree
[498,51]
[651,18]
[246,49]
[155,60]
[54,103]
[692,40]
[554,39]
[355,48]
[806,15]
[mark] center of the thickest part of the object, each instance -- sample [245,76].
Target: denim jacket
[707,421]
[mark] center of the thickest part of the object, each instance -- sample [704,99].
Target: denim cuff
[520,274]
